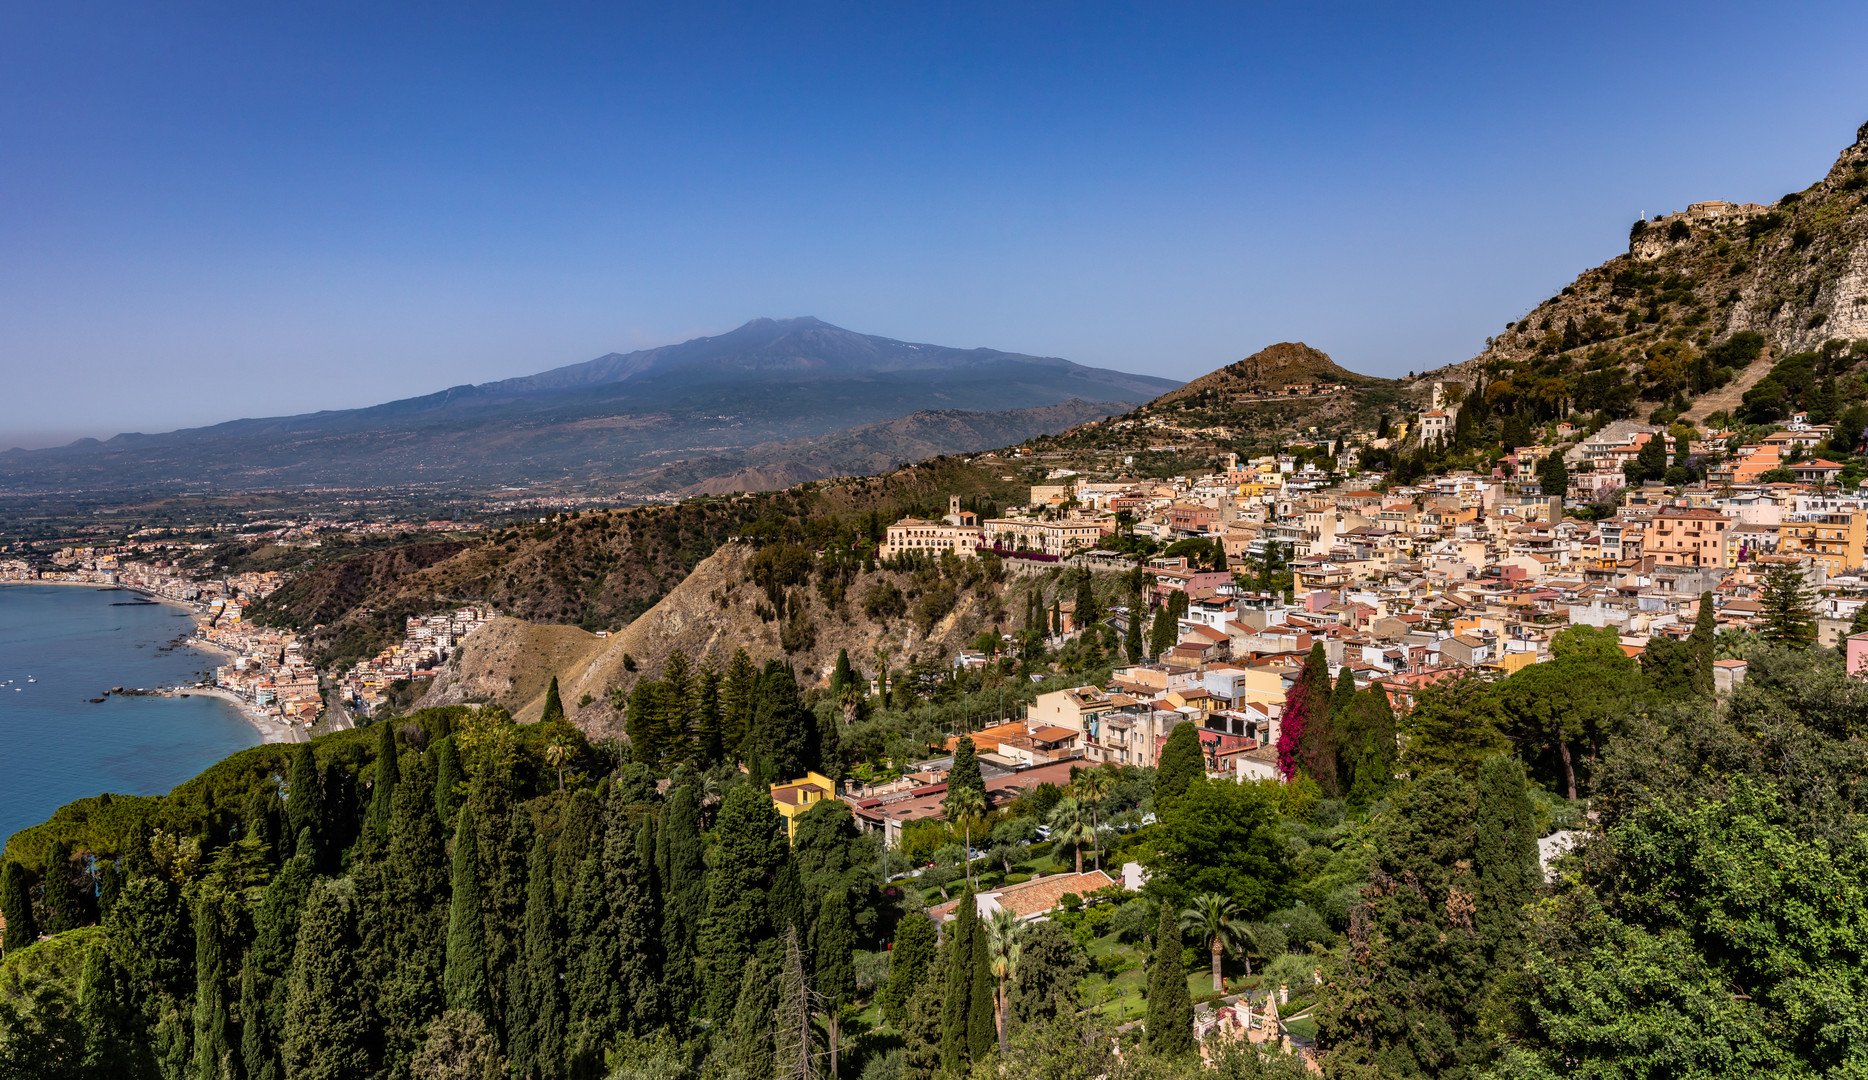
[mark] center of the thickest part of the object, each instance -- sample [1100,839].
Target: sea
[62,645]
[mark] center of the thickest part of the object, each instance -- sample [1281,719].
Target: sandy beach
[270,730]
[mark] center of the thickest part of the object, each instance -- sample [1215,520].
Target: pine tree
[448,780]
[1170,1007]
[1181,762]
[956,1003]
[383,791]
[1505,860]
[304,805]
[1789,619]
[217,917]
[794,1056]
[264,983]
[832,945]
[16,905]
[325,1029]
[677,691]
[751,1054]
[554,705]
[464,979]
[909,957]
[738,697]
[535,1016]
[683,895]
[710,743]
[109,1047]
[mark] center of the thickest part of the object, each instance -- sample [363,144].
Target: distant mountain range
[739,400]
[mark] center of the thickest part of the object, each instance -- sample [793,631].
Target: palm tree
[1003,946]
[1092,786]
[1070,824]
[963,805]
[1215,917]
[556,754]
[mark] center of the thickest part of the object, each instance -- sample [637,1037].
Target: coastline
[270,730]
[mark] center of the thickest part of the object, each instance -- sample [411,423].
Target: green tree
[416,914]
[383,790]
[535,1019]
[1705,631]
[1789,619]
[464,979]
[304,805]
[683,894]
[1071,828]
[749,846]
[16,905]
[1454,724]
[448,780]
[459,1045]
[1307,731]
[966,800]
[956,1002]
[1222,837]
[1505,860]
[264,983]
[1132,635]
[1088,611]
[325,1026]
[1405,1000]
[554,705]
[751,1053]
[108,1025]
[784,731]
[912,952]
[1180,763]
[1004,948]
[1553,476]
[1215,919]
[217,918]
[1050,972]
[842,674]
[833,946]
[981,1032]
[1369,750]
[1170,1007]
[40,1038]
[1163,634]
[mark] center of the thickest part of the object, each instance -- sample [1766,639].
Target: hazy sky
[214,211]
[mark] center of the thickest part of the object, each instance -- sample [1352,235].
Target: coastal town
[265,670]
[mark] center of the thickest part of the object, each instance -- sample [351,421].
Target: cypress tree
[636,911]
[1340,698]
[592,978]
[535,1017]
[577,837]
[921,1032]
[417,919]
[833,946]
[16,905]
[749,848]
[841,675]
[503,837]
[1505,859]
[956,1003]
[554,706]
[1705,629]
[751,1053]
[448,779]
[304,805]
[1306,739]
[464,979]
[325,1029]
[683,894]
[263,983]
[710,743]
[784,731]
[216,941]
[982,1034]
[1087,613]
[1369,743]
[909,957]
[67,903]
[104,1021]
[677,692]
[965,776]
[383,791]
[1164,632]
[1180,764]
[1057,617]
[1170,1007]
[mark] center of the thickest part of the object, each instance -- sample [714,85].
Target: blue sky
[213,211]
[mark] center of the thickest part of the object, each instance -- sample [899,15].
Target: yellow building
[798,796]
[1834,540]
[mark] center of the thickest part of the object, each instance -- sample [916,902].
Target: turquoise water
[56,746]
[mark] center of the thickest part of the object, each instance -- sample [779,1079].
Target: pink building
[1858,654]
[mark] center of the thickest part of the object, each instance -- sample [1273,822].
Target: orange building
[1683,537]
